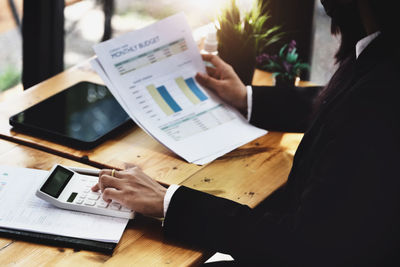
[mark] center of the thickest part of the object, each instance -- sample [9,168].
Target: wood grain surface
[131,146]
[142,238]
[246,175]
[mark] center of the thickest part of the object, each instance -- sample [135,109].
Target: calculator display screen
[57,181]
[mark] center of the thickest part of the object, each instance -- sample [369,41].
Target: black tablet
[81,116]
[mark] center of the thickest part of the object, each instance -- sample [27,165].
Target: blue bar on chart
[168,98]
[195,89]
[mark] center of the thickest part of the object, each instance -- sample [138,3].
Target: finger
[106,181]
[207,81]
[215,60]
[129,174]
[105,172]
[110,172]
[213,72]
[96,187]
[112,194]
[206,57]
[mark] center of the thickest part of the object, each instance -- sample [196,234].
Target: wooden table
[131,146]
[142,241]
[246,175]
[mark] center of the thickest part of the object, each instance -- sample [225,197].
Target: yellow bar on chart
[186,90]
[159,100]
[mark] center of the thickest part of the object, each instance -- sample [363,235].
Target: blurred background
[85,24]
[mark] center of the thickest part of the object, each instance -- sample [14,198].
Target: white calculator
[70,190]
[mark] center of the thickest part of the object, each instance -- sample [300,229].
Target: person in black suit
[341,203]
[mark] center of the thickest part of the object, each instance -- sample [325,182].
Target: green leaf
[282,51]
[291,57]
[238,29]
[304,66]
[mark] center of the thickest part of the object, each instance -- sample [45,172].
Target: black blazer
[341,204]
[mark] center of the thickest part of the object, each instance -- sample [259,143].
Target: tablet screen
[84,112]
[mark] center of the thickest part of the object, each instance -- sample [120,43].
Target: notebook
[25,216]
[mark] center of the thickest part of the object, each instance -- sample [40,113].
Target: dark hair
[346,21]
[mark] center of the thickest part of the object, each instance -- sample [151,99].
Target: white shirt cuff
[249,101]
[168,196]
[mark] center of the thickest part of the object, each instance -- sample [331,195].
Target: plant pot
[245,72]
[282,82]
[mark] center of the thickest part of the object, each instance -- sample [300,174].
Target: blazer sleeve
[346,213]
[283,109]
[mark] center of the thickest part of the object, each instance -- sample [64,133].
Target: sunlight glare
[211,8]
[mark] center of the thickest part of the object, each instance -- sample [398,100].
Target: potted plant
[243,35]
[285,66]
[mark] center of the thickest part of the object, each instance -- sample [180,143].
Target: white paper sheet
[21,209]
[151,73]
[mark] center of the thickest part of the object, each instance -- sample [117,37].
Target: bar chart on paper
[163,99]
[191,90]
[172,102]
[151,72]
[161,95]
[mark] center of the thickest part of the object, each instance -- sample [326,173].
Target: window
[84,20]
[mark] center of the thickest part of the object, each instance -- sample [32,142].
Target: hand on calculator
[133,189]
[67,189]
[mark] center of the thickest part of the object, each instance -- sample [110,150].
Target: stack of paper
[151,73]
[20,209]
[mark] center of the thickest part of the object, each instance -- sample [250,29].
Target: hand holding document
[151,73]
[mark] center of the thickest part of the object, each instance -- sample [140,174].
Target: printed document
[151,73]
[21,209]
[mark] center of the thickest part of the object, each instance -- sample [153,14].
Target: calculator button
[83,195]
[93,197]
[90,202]
[86,190]
[102,204]
[125,209]
[115,206]
[79,201]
